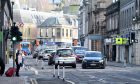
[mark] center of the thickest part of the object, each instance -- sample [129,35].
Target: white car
[46,53]
[65,56]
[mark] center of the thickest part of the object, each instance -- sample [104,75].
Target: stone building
[127,12]
[95,23]
[5,24]
[112,31]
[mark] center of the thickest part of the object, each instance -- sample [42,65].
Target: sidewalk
[13,80]
[116,64]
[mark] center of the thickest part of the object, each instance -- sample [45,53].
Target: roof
[53,21]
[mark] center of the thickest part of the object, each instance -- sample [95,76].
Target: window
[62,32]
[70,33]
[67,32]
[58,32]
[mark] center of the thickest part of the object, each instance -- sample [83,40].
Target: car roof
[63,48]
[93,51]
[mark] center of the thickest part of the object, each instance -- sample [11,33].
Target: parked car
[92,59]
[66,56]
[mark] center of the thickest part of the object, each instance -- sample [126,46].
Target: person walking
[19,61]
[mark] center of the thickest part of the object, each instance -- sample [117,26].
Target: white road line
[35,70]
[67,81]
[33,81]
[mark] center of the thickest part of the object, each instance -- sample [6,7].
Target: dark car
[79,51]
[93,59]
[51,58]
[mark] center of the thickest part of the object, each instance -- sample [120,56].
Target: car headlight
[84,60]
[101,60]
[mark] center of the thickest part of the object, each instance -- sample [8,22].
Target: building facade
[127,12]
[60,30]
[112,31]
[5,24]
[93,23]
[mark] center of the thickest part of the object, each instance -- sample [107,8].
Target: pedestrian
[19,61]
[2,66]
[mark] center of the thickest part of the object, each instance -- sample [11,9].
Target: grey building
[127,12]
[112,30]
[96,23]
[5,18]
[135,37]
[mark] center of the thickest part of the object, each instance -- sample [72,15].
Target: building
[60,30]
[127,12]
[112,31]
[5,24]
[93,21]
[129,28]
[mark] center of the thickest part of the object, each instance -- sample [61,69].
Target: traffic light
[132,37]
[16,35]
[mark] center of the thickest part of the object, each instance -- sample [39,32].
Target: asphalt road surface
[109,75]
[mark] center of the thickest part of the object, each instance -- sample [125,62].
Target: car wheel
[74,66]
[103,66]
[83,66]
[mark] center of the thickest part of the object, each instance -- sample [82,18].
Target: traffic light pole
[13,54]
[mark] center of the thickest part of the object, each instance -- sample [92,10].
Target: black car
[51,58]
[93,59]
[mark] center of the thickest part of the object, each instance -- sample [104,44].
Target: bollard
[63,71]
[54,70]
[58,69]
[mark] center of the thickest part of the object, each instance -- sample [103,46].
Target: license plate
[92,64]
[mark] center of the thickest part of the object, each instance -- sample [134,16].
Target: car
[51,58]
[93,58]
[79,51]
[35,54]
[66,56]
[46,53]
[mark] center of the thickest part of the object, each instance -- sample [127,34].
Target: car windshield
[93,54]
[64,52]
[48,51]
[79,50]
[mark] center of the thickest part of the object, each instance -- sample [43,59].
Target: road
[109,75]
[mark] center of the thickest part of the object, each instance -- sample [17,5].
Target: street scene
[69,41]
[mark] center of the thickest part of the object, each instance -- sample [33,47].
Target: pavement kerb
[33,81]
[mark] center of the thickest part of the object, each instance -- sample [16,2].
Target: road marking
[33,81]
[67,80]
[35,70]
